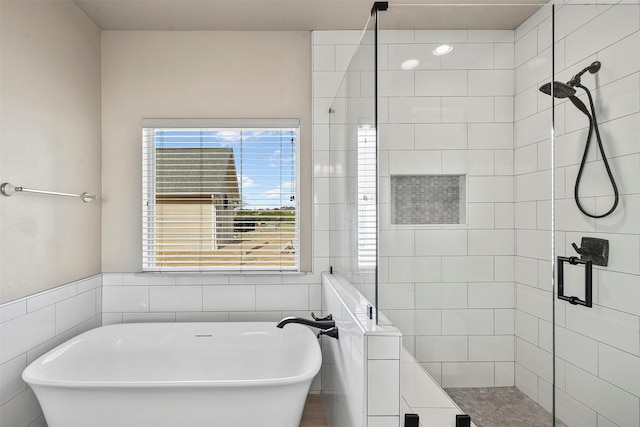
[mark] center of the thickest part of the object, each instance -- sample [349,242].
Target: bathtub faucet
[323,323]
[331,332]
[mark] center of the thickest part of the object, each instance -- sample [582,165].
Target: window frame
[149,194]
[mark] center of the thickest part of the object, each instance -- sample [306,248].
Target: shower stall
[485,198]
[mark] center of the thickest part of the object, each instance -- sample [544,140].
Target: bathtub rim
[304,376]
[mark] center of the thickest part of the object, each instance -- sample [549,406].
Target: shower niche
[427,199]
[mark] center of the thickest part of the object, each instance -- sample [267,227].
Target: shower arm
[576,80]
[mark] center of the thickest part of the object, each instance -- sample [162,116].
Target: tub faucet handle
[320,319]
[331,332]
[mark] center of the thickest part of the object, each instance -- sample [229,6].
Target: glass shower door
[352,151]
[597,99]
[465,205]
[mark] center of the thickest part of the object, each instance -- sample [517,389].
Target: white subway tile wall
[154,297]
[598,349]
[500,139]
[30,327]
[443,285]
[361,370]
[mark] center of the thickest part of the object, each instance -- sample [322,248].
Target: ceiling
[303,15]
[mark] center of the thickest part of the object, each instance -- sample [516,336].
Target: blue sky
[265,159]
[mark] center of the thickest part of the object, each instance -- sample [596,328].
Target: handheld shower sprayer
[567,90]
[593,68]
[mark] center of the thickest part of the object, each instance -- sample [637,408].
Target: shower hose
[593,124]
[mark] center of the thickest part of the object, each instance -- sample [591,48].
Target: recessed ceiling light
[409,64]
[443,49]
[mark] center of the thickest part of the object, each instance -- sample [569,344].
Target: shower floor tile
[314,414]
[501,407]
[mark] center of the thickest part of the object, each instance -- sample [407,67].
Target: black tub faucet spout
[322,323]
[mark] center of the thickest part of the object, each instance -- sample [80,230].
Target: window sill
[225,273]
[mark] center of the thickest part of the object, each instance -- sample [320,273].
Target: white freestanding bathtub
[178,375]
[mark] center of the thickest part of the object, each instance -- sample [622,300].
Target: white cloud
[285,188]
[227,137]
[247,182]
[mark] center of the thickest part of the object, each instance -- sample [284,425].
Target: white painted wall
[50,127]
[49,139]
[192,75]
[200,75]
[246,75]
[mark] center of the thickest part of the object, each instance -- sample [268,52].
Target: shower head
[566,90]
[560,90]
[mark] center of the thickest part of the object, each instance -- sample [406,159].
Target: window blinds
[367,212]
[220,195]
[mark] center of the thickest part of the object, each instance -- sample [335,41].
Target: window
[367,214]
[220,195]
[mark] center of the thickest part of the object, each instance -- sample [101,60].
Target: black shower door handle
[588,282]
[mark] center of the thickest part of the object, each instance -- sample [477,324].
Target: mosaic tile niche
[427,199]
